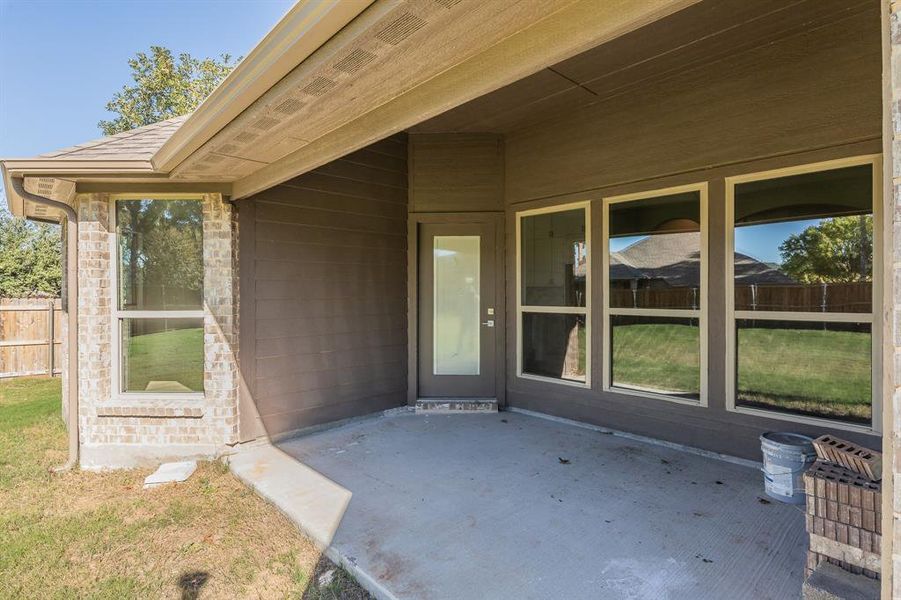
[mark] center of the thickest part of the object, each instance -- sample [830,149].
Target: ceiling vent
[319,86]
[401,29]
[355,61]
[289,106]
[45,186]
[448,3]
[62,190]
[245,137]
[265,123]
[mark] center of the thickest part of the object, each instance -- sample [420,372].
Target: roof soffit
[390,49]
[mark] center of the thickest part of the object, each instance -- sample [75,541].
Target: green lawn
[93,535]
[658,357]
[168,356]
[824,373]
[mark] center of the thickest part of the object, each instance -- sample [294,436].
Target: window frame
[701,313]
[584,311]
[117,315]
[731,316]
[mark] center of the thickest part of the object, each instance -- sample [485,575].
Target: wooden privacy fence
[814,297]
[31,337]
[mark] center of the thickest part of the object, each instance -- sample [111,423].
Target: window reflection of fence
[655,298]
[816,297]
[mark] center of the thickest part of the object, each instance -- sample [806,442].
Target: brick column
[94,321]
[220,378]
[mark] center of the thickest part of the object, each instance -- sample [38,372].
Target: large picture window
[158,316]
[655,293]
[553,295]
[801,291]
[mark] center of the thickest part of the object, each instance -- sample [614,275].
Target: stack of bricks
[844,514]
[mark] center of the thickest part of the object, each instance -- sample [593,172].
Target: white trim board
[732,315]
[700,313]
[584,311]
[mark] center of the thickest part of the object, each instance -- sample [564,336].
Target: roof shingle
[137,144]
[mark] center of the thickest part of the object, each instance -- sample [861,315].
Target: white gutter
[14,202]
[305,27]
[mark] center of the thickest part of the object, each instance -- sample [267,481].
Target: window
[800,284]
[655,278]
[553,294]
[158,315]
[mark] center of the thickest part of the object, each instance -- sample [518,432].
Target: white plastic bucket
[785,458]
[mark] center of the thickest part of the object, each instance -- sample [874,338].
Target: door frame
[414,221]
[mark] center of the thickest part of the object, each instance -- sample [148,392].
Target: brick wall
[119,432]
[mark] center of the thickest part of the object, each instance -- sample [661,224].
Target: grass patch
[814,372]
[175,355]
[825,373]
[99,535]
[655,356]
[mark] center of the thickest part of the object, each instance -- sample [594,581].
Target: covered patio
[588,216]
[514,505]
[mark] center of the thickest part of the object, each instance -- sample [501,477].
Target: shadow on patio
[508,505]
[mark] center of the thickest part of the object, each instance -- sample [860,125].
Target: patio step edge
[456,406]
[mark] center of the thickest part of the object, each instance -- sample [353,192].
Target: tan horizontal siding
[324,336]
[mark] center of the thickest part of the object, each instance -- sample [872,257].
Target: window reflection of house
[662,266]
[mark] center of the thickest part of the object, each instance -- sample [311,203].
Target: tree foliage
[30,259]
[164,87]
[836,250]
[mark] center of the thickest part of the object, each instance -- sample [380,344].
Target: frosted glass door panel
[456,321]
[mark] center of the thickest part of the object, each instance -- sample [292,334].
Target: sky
[60,62]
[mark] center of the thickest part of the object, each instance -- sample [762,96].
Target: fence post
[51,335]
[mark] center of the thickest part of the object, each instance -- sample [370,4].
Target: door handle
[488,323]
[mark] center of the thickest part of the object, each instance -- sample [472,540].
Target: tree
[164,88]
[836,250]
[30,259]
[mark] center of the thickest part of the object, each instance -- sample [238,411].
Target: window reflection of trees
[161,254]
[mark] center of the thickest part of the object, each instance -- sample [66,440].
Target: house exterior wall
[811,97]
[323,289]
[126,431]
[456,172]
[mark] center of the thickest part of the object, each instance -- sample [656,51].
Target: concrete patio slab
[513,506]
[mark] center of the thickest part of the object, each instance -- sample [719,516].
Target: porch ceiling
[698,35]
[395,65]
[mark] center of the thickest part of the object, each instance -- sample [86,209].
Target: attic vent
[245,137]
[355,61]
[318,87]
[448,3]
[45,186]
[401,29]
[265,123]
[289,106]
